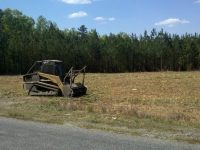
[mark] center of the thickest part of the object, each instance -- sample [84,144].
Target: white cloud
[102,19]
[99,18]
[111,19]
[197,2]
[171,22]
[78,14]
[77,1]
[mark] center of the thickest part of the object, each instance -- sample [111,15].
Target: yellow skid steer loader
[47,77]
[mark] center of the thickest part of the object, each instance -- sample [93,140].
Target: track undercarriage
[37,90]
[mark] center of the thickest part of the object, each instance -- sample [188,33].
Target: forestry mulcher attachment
[48,78]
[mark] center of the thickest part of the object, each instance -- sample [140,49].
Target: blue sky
[129,16]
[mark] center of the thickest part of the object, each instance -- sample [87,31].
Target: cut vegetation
[161,104]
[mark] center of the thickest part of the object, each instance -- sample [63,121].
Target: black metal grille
[48,69]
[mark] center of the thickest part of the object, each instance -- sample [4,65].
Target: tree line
[24,41]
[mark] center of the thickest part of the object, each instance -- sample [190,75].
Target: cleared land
[161,104]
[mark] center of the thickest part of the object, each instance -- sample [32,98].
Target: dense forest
[24,41]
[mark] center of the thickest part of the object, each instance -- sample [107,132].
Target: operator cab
[53,67]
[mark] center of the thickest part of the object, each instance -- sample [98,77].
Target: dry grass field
[158,104]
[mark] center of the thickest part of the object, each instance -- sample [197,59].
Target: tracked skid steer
[47,78]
